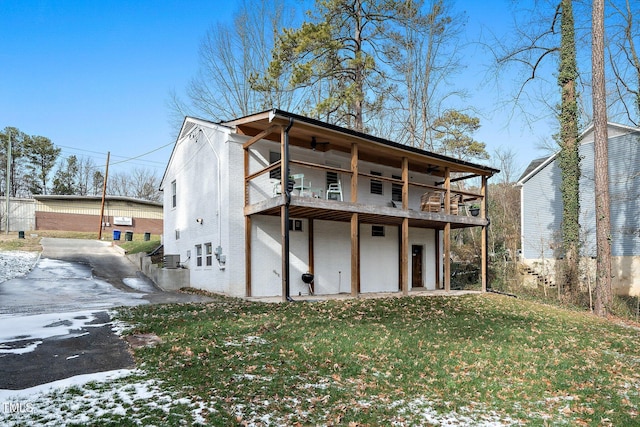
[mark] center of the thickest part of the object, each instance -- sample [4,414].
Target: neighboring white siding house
[223,209]
[541,204]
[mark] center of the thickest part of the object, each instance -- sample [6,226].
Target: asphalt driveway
[55,321]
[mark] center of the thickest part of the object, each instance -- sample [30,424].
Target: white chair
[303,190]
[277,188]
[334,192]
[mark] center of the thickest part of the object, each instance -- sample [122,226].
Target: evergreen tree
[64,181]
[41,157]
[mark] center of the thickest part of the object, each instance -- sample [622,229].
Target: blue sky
[95,76]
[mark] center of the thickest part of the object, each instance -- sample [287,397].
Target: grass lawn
[471,360]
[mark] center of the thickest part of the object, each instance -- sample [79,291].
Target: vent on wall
[171,261]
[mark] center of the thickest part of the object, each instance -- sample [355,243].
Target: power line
[145,154]
[103,155]
[149,163]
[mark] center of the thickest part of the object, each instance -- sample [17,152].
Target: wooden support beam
[247,256]
[405,256]
[447,191]
[354,173]
[484,235]
[447,256]
[405,183]
[268,131]
[246,176]
[436,237]
[311,253]
[355,255]
[447,232]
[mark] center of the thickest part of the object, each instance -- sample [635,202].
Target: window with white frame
[198,255]
[208,250]
[174,192]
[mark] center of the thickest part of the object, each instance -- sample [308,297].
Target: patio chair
[334,192]
[454,204]
[431,202]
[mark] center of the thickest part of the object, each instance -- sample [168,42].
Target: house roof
[533,166]
[50,197]
[340,138]
[538,164]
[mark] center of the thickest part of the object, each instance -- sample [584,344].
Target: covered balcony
[303,168]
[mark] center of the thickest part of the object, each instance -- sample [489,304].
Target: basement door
[416,266]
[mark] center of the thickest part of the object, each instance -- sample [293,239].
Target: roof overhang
[370,148]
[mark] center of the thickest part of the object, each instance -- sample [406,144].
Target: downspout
[287,202]
[486,241]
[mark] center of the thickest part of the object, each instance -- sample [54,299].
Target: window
[174,189]
[177,234]
[376,186]
[377,230]
[332,178]
[208,252]
[274,156]
[396,190]
[295,225]
[198,255]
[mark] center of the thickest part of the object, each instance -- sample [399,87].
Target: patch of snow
[16,264]
[61,385]
[85,398]
[27,332]
[138,284]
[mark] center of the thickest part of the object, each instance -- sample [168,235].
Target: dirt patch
[143,340]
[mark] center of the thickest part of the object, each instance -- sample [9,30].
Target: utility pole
[104,193]
[6,194]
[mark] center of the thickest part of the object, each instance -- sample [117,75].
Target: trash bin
[128,236]
[116,234]
[147,237]
[20,234]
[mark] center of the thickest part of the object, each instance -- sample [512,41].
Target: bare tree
[231,56]
[624,60]
[139,183]
[602,303]
[428,57]
[84,178]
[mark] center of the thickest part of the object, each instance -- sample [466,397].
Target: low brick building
[82,213]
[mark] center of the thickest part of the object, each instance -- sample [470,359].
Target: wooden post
[311,254]
[405,256]
[247,228]
[247,255]
[483,213]
[447,233]
[436,237]
[355,255]
[354,172]
[404,235]
[246,174]
[104,195]
[405,183]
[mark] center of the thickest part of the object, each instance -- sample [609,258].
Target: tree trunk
[601,165]
[569,159]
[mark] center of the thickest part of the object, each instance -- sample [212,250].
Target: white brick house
[229,215]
